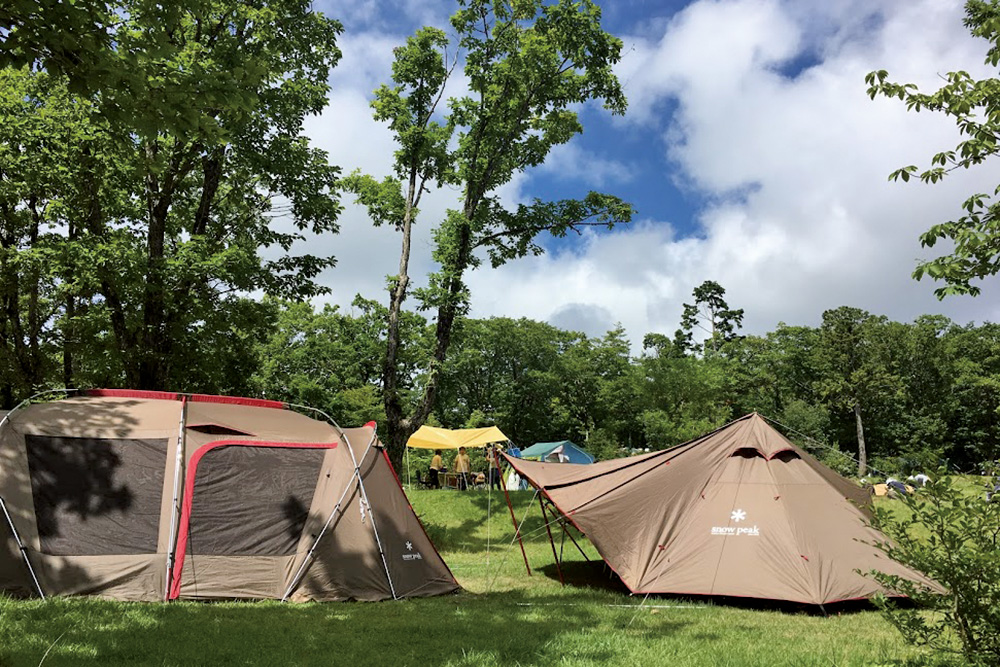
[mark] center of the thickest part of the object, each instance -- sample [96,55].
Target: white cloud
[797,215]
[570,162]
[804,218]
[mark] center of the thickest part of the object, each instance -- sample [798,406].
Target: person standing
[493,462]
[436,465]
[462,468]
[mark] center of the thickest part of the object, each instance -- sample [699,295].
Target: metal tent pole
[517,528]
[305,561]
[371,514]
[545,518]
[22,548]
[489,497]
[175,507]
[364,492]
[562,523]
[3,505]
[409,484]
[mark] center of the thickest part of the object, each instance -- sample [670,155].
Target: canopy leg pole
[489,502]
[517,529]
[309,554]
[409,484]
[545,518]
[21,547]
[175,507]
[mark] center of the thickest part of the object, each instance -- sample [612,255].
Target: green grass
[504,617]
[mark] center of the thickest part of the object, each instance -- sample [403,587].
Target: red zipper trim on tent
[419,522]
[236,400]
[182,537]
[174,396]
[133,393]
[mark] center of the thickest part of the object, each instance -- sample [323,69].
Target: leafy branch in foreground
[975,107]
[952,535]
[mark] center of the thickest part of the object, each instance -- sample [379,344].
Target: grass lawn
[503,617]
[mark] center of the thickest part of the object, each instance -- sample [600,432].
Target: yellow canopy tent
[431,437]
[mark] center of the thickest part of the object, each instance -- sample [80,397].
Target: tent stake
[517,529]
[545,518]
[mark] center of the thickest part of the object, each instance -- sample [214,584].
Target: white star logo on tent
[409,546]
[738,515]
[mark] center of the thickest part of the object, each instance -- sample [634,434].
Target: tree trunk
[67,331]
[862,452]
[69,319]
[398,428]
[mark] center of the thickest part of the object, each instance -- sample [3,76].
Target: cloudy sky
[750,149]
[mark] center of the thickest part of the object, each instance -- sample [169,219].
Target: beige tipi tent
[741,511]
[140,495]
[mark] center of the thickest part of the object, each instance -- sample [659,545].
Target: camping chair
[422,481]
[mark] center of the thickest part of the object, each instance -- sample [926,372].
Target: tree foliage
[712,315]
[974,105]
[953,537]
[154,223]
[527,64]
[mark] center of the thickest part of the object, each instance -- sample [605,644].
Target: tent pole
[489,495]
[545,518]
[308,557]
[409,484]
[517,529]
[175,507]
[21,547]
[562,541]
[364,493]
[573,539]
[371,514]
[3,505]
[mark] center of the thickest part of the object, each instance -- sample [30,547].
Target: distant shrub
[837,459]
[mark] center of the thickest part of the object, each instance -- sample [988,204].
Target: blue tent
[557,452]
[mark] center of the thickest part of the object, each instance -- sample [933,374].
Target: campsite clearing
[504,617]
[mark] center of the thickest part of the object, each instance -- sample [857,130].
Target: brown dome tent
[139,495]
[741,512]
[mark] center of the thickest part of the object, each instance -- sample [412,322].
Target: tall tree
[170,213]
[37,187]
[527,64]
[711,314]
[855,372]
[975,107]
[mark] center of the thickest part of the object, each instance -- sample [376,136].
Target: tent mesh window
[252,501]
[747,453]
[96,496]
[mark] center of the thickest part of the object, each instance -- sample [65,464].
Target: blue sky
[750,149]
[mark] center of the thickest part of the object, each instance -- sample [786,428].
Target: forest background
[142,169]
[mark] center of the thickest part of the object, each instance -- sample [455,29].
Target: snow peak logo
[411,554]
[736,517]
